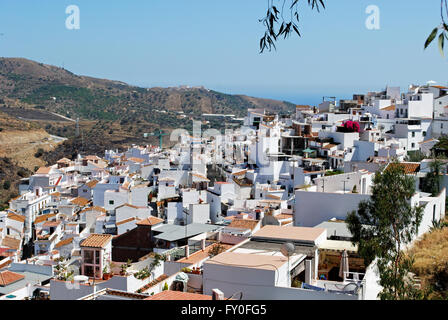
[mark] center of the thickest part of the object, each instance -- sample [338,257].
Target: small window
[413,134]
[413,145]
[424,133]
[111,201]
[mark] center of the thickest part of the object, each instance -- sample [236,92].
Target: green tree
[383,225]
[442,29]
[433,179]
[282,20]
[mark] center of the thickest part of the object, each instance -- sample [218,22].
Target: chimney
[187,251]
[217,294]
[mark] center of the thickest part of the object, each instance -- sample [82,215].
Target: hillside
[58,90]
[22,146]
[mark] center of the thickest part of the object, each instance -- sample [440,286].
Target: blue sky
[215,44]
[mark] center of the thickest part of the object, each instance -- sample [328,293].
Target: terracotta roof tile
[7,277]
[408,167]
[43,170]
[63,242]
[389,108]
[51,223]
[151,221]
[96,240]
[80,201]
[91,184]
[44,217]
[244,223]
[178,295]
[94,208]
[16,217]
[125,221]
[11,242]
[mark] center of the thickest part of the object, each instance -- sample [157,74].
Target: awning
[336,245]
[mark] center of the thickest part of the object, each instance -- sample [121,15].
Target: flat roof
[30,277]
[247,260]
[171,232]
[289,233]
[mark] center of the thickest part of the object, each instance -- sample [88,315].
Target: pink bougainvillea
[351,126]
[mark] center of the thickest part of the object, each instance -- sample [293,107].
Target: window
[412,145]
[88,256]
[111,201]
[441,126]
[424,133]
[413,134]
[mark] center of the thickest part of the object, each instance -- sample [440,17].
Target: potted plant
[124,267]
[106,273]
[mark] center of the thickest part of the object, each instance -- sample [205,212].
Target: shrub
[6,185]
[39,153]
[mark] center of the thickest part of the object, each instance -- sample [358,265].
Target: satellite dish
[351,287]
[287,249]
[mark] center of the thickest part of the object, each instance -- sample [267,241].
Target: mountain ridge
[59,90]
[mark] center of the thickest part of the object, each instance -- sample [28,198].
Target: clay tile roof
[200,176]
[94,208]
[43,217]
[63,160]
[51,223]
[125,221]
[43,170]
[178,295]
[239,173]
[329,146]
[92,158]
[92,184]
[151,221]
[244,223]
[55,194]
[7,277]
[408,167]
[129,205]
[63,242]
[389,108]
[284,216]
[139,160]
[439,87]
[80,201]
[16,217]
[11,242]
[96,240]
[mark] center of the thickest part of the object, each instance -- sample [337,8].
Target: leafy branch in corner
[442,29]
[277,25]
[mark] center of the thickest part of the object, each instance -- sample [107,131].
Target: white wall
[312,208]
